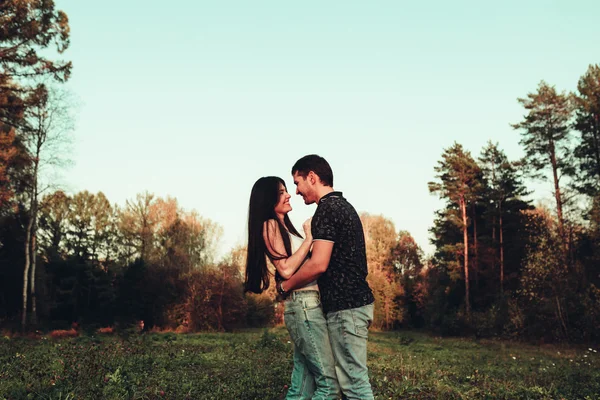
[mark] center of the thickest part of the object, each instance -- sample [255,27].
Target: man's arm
[313,267]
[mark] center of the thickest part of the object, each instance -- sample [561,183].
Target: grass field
[257,364]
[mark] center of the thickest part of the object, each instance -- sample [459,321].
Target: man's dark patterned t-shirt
[343,285]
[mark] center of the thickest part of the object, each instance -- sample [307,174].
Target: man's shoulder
[333,201]
[326,209]
[339,205]
[321,211]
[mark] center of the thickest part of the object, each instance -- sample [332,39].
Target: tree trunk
[463,208]
[571,247]
[387,313]
[493,165]
[501,233]
[494,242]
[476,255]
[596,136]
[31,239]
[220,307]
[26,273]
[33,271]
[557,194]
[562,319]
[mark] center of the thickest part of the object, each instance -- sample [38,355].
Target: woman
[272,234]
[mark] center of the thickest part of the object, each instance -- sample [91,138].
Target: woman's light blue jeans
[313,376]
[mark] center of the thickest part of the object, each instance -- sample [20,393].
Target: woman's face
[283,205]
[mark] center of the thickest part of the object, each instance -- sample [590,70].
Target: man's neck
[322,191]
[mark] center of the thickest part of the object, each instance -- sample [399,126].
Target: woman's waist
[303,294]
[309,287]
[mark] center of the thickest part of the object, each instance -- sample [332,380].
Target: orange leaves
[61,333]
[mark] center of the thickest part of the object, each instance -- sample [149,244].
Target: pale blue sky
[197,99]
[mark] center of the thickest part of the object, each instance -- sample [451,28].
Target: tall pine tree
[545,136]
[458,181]
[587,122]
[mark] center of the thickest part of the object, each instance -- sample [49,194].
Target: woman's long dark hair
[263,199]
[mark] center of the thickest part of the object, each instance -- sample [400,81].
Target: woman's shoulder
[271,226]
[271,223]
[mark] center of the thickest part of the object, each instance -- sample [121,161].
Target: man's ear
[312,177]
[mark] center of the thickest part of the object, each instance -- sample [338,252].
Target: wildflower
[514,358]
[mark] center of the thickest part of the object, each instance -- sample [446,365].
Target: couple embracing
[321,277]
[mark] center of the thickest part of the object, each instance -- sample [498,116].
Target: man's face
[304,187]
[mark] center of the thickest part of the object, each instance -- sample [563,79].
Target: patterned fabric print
[343,285]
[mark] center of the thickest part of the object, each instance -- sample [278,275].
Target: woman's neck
[281,219]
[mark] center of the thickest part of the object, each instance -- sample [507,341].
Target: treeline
[100,264]
[503,266]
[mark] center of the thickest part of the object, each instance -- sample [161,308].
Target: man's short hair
[316,164]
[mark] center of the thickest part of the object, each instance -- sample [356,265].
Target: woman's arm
[285,266]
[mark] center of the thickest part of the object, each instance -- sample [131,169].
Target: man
[339,262]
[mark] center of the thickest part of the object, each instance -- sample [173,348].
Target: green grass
[416,366]
[257,364]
